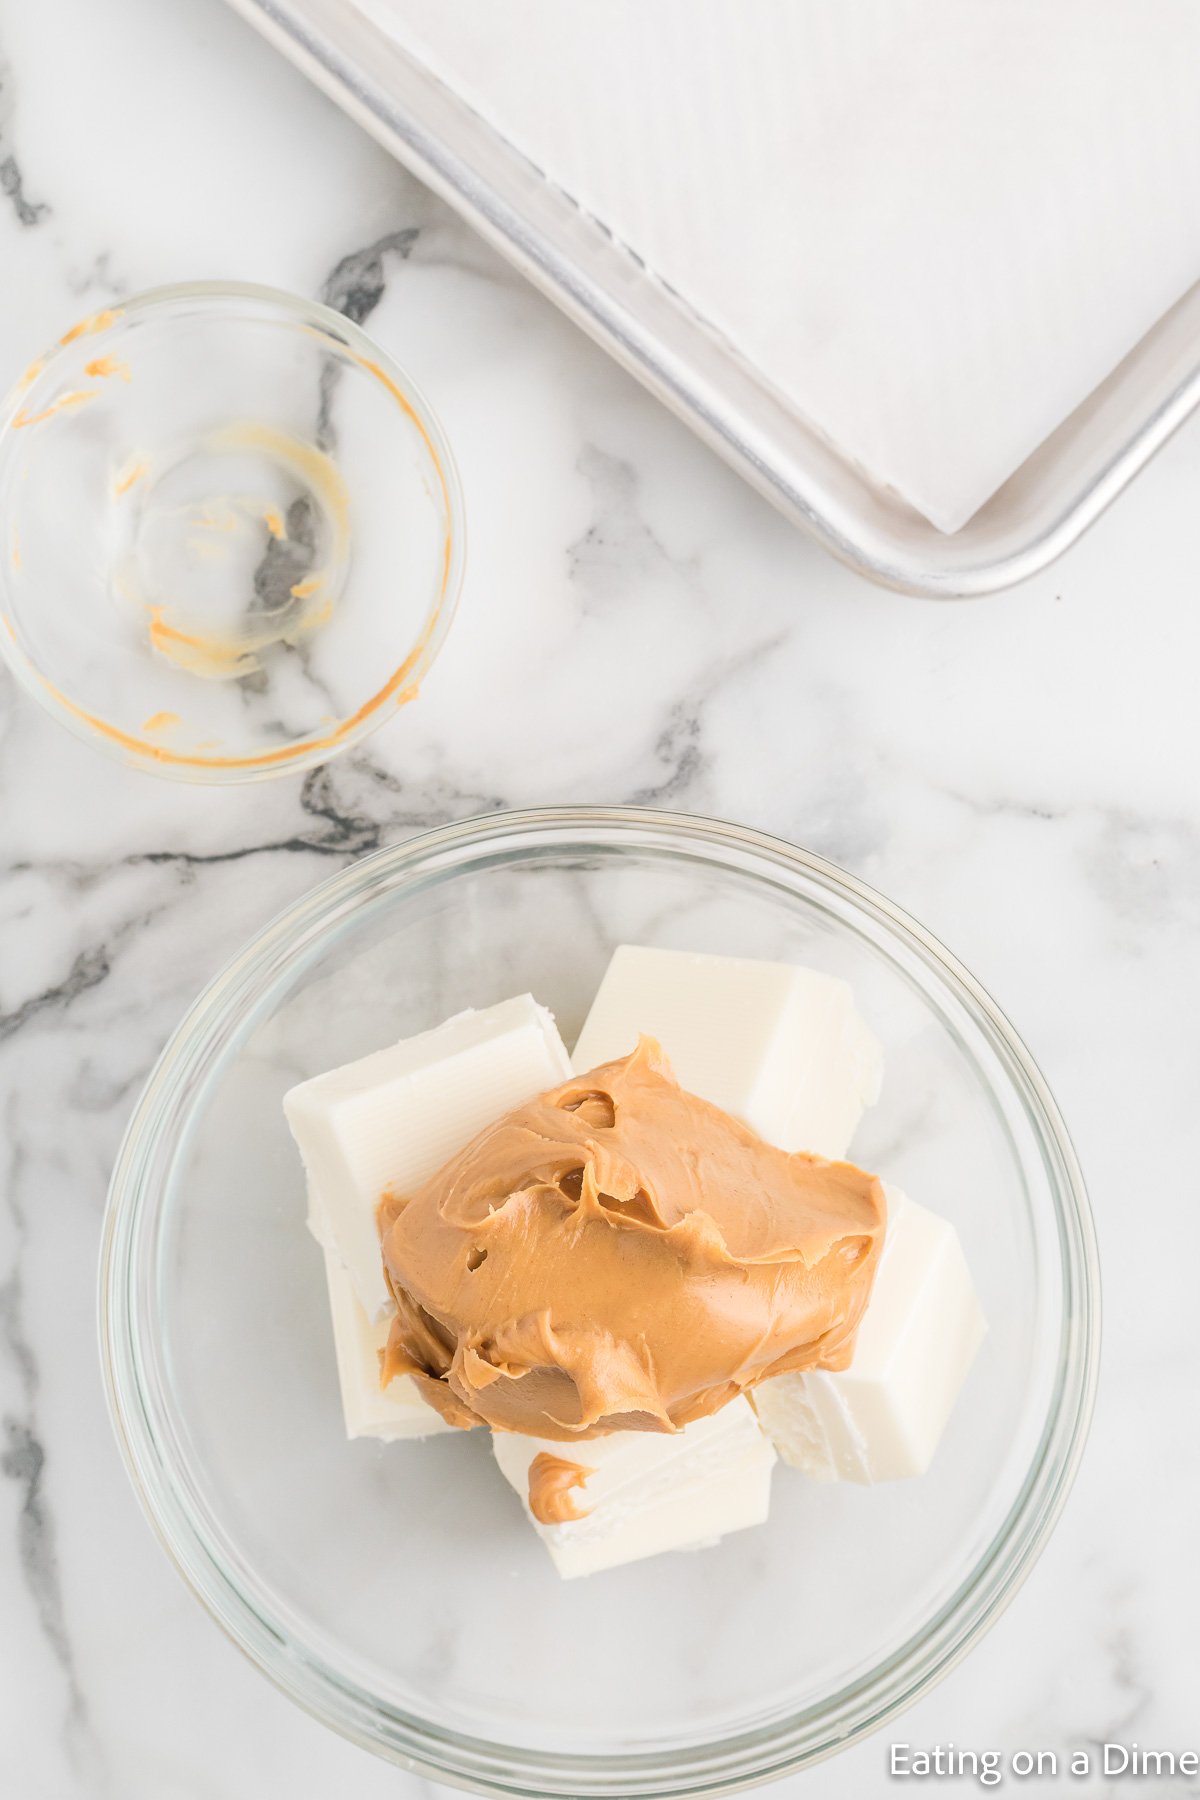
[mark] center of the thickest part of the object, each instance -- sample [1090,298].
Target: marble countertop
[1018,772]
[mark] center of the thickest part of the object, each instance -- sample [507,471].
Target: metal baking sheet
[1050,500]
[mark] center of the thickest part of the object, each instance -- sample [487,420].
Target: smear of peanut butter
[131,473]
[94,323]
[101,367]
[551,1479]
[201,653]
[160,721]
[64,403]
[619,1255]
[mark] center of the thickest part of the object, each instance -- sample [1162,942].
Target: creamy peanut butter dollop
[551,1479]
[617,1254]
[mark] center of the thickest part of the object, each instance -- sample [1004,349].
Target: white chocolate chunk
[650,1491]
[883,1417]
[397,1411]
[780,1047]
[393,1118]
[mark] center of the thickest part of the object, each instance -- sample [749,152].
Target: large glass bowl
[397,1591]
[231,533]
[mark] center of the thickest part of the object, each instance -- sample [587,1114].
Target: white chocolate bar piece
[780,1047]
[883,1417]
[397,1411]
[390,1120]
[650,1491]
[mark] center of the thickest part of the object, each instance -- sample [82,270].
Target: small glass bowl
[396,1591]
[231,534]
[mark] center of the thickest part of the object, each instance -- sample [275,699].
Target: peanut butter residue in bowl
[617,1254]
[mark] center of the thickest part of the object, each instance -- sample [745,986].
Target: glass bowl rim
[400,686]
[764,1753]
